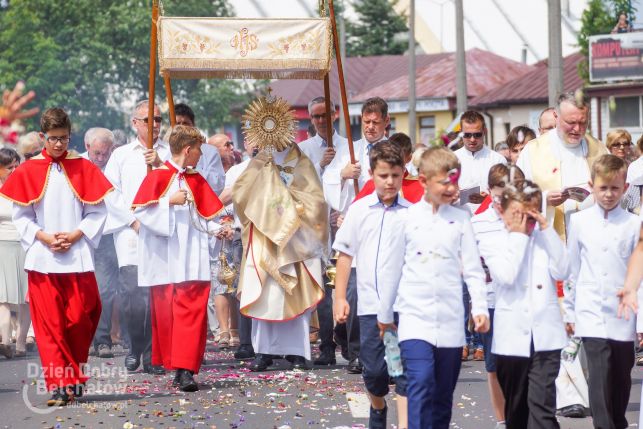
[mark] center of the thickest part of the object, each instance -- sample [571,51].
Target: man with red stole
[59,211]
[175,207]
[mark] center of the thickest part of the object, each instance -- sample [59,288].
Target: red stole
[412,191]
[486,203]
[28,183]
[157,183]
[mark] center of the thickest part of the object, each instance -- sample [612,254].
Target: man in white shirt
[475,157]
[126,169]
[99,143]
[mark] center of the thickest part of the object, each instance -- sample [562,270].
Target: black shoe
[574,411]
[354,366]
[105,351]
[153,369]
[244,352]
[92,351]
[261,363]
[177,381]
[132,363]
[77,389]
[60,398]
[377,418]
[298,362]
[326,358]
[186,381]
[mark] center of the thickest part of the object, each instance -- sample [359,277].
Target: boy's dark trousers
[529,386]
[609,363]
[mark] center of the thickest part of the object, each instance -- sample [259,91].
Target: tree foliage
[92,56]
[378,30]
[599,17]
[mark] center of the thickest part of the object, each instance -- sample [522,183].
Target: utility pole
[555,65]
[412,113]
[460,66]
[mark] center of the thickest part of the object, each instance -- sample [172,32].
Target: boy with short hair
[59,212]
[436,249]
[601,240]
[175,206]
[369,226]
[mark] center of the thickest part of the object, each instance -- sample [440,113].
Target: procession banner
[232,48]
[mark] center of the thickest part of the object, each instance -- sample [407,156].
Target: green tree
[598,18]
[379,30]
[91,56]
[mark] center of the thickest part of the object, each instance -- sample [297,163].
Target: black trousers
[610,365]
[529,387]
[136,313]
[326,322]
[109,286]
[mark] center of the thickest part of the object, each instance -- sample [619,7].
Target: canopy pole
[150,111]
[170,99]
[342,90]
[329,119]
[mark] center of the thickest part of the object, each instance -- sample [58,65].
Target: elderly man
[126,169]
[99,143]
[225,147]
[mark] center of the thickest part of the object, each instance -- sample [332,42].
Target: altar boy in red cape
[59,212]
[411,190]
[175,206]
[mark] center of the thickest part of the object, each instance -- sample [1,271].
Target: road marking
[359,405]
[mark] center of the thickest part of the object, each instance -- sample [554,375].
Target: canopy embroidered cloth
[244,48]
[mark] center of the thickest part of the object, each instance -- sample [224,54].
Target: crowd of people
[521,256]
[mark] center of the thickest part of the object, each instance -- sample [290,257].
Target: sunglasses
[621,145]
[472,135]
[229,144]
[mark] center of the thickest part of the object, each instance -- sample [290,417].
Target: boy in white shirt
[601,241]
[436,249]
[369,226]
[175,206]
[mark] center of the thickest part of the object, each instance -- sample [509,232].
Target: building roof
[387,77]
[531,88]
[485,71]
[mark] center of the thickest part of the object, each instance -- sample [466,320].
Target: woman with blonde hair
[619,143]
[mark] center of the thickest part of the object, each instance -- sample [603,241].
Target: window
[626,112]
[393,127]
[427,129]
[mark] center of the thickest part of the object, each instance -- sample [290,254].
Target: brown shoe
[465,353]
[478,355]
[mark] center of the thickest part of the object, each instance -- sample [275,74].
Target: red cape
[412,191]
[27,185]
[486,203]
[157,183]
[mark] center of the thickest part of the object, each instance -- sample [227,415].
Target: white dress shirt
[476,165]
[315,147]
[170,248]
[126,169]
[485,227]
[599,250]
[365,236]
[525,269]
[437,250]
[59,211]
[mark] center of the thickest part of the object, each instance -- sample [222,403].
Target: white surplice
[170,248]
[59,211]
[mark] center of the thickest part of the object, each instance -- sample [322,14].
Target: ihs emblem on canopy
[269,123]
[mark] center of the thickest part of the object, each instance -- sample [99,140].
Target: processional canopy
[232,48]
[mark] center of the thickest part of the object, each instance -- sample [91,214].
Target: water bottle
[570,351]
[393,358]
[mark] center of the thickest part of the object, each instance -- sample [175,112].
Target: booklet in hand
[577,193]
[465,194]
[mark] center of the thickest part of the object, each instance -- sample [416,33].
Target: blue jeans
[431,373]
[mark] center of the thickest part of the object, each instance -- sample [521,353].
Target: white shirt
[340,193]
[365,236]
[485,226]
[59,211]
[126,169]
[599,250]
[170,248]
[315,147]
[231,177]
[525,269]
[437,250]
[635,172]
[476,165]
[211,167]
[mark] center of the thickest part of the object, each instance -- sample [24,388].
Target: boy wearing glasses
[59,212]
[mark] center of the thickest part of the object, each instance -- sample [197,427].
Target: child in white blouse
[436,250]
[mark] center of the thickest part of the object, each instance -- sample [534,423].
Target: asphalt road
[231,398]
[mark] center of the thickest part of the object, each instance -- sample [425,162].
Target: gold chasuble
[285,231]
[545,169]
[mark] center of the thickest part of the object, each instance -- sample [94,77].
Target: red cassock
[412,191]
[179,311]
[65,307]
